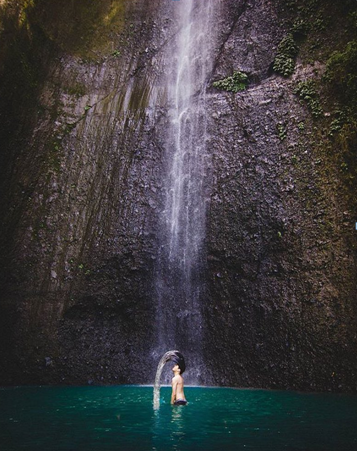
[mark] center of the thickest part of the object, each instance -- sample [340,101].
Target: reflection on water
[122,418]
[178,426]
[169,429]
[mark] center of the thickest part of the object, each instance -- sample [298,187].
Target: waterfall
[180,286]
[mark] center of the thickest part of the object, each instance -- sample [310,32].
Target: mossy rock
[82,26]
[307,91]
[341,73]
[284,62]
[235,83]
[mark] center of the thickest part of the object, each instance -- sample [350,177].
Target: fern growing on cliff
[284,62]
[307,91]
[237,82]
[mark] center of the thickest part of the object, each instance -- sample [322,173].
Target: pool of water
[122,418]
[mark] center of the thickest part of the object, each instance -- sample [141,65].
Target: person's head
[176,369]
[180,361]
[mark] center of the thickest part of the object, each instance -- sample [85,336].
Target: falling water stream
[179,283]
[164,359]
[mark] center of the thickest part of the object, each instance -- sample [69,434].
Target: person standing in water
[178,396]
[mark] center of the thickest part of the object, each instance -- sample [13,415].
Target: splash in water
[176,357]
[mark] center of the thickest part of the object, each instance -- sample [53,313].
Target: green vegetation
[338,121]
[341,73]
[284,62]
[319,24]
[300,28]
[308,20]
[301,126]
[353,18]
[324,33]
[291,4]
[341,87]
[306,91]
[80,27]
[77,90]
[237,82]
[282,131]
[294,160]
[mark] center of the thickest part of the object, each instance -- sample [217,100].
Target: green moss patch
[307,91]
[235,83]
[341,74]
[80,27]
[284,62]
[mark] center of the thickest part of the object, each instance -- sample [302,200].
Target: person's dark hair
[179,359]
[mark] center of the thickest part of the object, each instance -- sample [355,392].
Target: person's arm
[174,388]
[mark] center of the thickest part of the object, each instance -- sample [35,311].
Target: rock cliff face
[83,118]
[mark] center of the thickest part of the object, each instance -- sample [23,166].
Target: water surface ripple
[123,418]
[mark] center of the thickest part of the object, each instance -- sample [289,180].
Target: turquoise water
[122,418]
